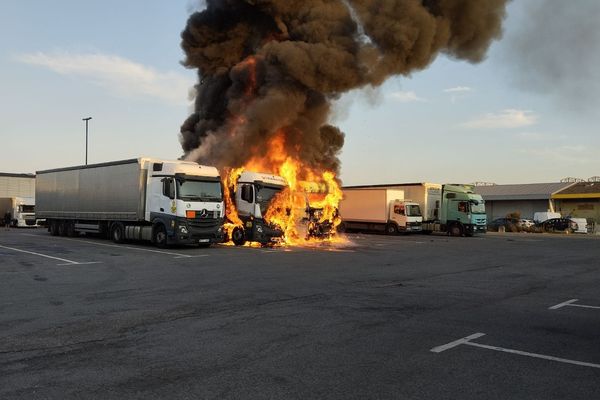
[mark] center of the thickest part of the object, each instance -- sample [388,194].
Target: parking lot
[499,316]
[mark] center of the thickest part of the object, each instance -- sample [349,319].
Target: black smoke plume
[272,66]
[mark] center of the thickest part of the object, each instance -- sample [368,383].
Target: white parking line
[467,341]
[66,262]
[570,303]
[177,255]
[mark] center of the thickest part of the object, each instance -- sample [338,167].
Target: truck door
[163,196]
[458,211]
[398,213]
[244,199]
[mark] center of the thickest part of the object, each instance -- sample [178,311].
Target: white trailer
[383,210]
[166,202]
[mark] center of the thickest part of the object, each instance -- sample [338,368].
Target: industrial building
[17,185]
[525,199]
[580,200]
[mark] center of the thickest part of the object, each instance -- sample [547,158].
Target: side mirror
[168,188]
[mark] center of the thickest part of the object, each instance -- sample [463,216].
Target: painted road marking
[468,342]
[570,303]
[64,260]
[177,255]
[458,342]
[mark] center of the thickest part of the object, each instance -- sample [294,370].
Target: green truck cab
[460,211]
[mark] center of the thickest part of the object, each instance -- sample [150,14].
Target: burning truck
[266,209]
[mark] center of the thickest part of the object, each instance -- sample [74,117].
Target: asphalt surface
[85,319]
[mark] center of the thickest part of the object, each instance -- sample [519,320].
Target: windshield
[193,190]
[413,210]
[478,208]
[26,208]
[264,196]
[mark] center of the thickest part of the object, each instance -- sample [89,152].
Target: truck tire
[54,228]
[455,230]
[117,232]
[62,228]
[238,236]
[70,229]
[341,228]
[391,229]
[159,236]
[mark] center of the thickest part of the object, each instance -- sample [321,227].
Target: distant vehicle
[21,209]
[559,225]
[582,226]
[504,224]
[526,223]
[383,210]
[540,217]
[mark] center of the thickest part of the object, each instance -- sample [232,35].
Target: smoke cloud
[272,66]
[555,50]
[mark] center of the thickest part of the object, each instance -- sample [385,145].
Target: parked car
[582,226]
[526,223]
[559,225]
[504,224]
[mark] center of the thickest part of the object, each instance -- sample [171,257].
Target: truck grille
[204,222]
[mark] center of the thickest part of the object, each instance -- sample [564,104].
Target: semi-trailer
[382,210]
[165,202]
[21,210]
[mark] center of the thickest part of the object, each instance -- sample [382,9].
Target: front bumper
[192,232]
[472,229]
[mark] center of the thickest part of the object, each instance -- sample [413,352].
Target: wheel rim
[161,236]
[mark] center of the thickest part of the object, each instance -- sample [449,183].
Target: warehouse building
[525,199]
[17,185]
[580,200]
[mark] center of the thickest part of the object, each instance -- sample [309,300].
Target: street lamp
[86,136]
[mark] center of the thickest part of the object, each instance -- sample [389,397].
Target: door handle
[162,209]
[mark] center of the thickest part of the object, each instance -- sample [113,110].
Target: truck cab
[462,211]
[406,215]
[253,196]
[184,203]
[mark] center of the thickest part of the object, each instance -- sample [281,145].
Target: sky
[528,113]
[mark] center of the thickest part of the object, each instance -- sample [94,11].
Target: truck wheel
[456,230]
[62,229]
[159,237]
[238,236]
[341,227]
[117,233]
[391,229]
[71,229]
[54,228]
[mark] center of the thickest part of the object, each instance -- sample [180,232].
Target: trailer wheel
[456,230]
[391,229]
[117,232]
[70,229]
[238,236]
[159,236]
[62,228]
[54,228]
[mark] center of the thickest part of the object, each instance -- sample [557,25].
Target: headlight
[183,229]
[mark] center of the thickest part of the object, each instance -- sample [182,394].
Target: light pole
[86,136]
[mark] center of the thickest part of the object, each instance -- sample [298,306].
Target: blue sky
[119,62]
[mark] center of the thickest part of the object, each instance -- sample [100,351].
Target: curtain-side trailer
[166,202]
